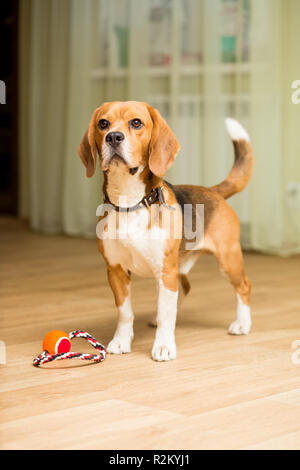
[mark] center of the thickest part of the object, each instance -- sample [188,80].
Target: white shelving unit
[183,92]
[184,70]
[186,23]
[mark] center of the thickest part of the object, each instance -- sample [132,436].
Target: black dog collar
[156,194]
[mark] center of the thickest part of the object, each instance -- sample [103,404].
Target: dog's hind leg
[184,268]
[231,264]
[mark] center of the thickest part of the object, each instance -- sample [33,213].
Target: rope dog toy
[57,345]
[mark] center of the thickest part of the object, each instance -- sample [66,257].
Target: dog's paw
[119,345]
[164,351]
[239,327]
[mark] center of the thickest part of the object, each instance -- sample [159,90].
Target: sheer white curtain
[198,61]
[58,48]
[44,70]
[275,214]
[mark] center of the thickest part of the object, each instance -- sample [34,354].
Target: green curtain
[74,55]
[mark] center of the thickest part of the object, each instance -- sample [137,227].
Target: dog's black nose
[114,138]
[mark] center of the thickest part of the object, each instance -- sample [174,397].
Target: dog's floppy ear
[88,149]
[163,146]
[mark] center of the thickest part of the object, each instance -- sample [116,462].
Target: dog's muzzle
[114,139]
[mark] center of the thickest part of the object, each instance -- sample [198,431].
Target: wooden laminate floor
[222,392]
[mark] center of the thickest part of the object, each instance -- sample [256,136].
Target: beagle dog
[136,148]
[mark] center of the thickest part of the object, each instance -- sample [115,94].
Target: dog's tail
[243,161]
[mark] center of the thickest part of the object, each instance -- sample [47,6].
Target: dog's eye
[135,123]
[103,124]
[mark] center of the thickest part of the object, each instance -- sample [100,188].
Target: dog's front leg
[119,281]
[164,347]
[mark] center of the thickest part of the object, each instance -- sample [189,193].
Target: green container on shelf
[229,23]
[122,41]
[228,44]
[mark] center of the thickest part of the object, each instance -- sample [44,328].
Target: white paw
[165,351]
[239,327]
[119,345]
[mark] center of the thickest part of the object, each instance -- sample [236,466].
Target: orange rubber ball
[56,342]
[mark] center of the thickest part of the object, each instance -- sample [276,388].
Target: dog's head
[132,132]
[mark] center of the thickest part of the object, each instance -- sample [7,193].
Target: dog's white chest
[135,246]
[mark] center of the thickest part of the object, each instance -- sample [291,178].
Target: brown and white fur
[135,163]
